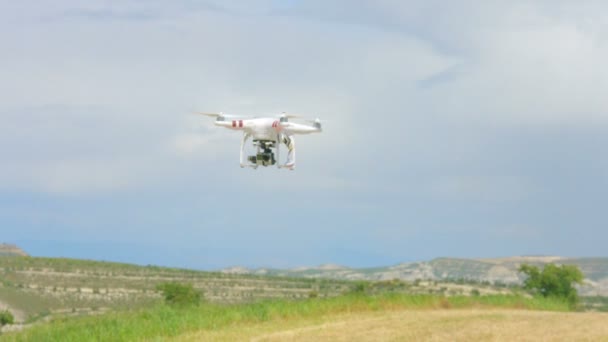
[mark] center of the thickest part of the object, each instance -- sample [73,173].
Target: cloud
[544,75]
[145,76]
[539,62]
[447,117]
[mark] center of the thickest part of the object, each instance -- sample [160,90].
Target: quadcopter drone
[268,133]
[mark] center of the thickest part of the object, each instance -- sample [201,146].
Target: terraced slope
[42,286]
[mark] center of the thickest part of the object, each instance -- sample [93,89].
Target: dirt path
[457,325]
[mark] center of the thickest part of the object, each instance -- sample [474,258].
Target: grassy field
[424,325]
[226,322]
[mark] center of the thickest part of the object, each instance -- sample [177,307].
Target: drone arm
[233,124]
[294,128]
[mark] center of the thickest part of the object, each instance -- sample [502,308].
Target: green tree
[179,294]
[553,281]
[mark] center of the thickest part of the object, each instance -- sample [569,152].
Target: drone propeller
[300,117]
[317,123]
[213,115]
[290,116]
[315,120]
[221,115]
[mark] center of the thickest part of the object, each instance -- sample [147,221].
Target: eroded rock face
[9,249]
[502,274]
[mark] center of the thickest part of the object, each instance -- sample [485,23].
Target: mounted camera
[265,158]
[265,155]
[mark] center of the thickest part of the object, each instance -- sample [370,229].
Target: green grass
[594,303]
[165,321]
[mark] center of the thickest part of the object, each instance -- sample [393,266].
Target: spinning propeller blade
[222,115]
[290,116]
[210,114]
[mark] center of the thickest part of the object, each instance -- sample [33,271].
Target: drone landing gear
[289,141]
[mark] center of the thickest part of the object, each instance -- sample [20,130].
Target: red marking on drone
[240,123]
[233,123]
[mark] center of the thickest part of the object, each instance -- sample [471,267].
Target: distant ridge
[493,270]
[7,249]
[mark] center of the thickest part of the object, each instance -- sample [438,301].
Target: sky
[453,129]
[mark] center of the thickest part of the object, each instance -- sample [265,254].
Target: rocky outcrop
[11,250]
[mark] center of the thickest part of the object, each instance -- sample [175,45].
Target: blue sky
[454,129]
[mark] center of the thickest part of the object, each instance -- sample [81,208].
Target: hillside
[36,287]
[498,270]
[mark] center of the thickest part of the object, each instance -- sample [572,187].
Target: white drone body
[268,134]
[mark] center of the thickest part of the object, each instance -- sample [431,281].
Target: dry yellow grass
[424,325]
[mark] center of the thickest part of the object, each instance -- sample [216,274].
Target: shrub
[359,287]
[6,317]
[179,294]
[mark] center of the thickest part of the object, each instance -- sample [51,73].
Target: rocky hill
[499,270]
[11,250]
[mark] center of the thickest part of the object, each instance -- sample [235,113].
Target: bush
[6,317]
[179,294]
[359,287]
[553,281]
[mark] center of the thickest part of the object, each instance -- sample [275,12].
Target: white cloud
[147,75]
[545,75]
[389,82]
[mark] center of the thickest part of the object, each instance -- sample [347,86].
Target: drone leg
[278,144]
[291,155]
[245,137]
